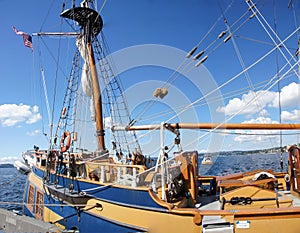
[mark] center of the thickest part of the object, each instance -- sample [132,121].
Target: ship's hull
[121,213]
[120,209]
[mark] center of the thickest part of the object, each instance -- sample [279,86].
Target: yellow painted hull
[267,211]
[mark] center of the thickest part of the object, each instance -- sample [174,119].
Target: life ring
[287,178]
[65,137]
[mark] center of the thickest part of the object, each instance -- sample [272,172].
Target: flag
[26,38]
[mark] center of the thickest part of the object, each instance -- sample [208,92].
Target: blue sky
[176,26]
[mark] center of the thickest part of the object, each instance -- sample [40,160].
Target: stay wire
[242,63]
[55,86]
[220,131]
[103,4]
[186,108]
[47,15]
[233,115]
[21,173]
[278,87]
[237,75]
[292,6]
[273,39]
[212,43]
[176,71]
[225,96]
[257,12]
[184,65]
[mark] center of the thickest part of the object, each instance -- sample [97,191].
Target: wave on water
[12,183]
[228,164]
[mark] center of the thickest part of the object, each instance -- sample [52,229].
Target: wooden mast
[91,24]
[97,99]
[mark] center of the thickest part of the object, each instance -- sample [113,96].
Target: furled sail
[86,75]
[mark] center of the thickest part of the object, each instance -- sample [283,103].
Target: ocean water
[228,164]
[12,182]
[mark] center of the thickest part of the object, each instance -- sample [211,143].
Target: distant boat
[207,160]
[30,156]
[22,167]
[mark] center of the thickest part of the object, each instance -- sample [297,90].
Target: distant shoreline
[6,165]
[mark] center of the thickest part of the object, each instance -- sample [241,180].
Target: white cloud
[289,96]
[33,133]
[263,113]
[250,103]
[254,137]
[290,116]
[257,136]
[35,109]
[8,159]
[261,120]
[9,121]
[12,114]
[34,118]
[255,102]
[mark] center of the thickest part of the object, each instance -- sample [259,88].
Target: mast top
[86,18]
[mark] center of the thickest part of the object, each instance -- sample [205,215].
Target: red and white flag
[26,37]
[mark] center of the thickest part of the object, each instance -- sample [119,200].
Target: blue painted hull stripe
[133,206]
[110,191]
[119,223]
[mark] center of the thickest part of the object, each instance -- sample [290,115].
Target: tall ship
[116,187]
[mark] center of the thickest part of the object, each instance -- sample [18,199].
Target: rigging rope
[278,89]
[47,15]
[291,5]
[55,87]
[183,67]
[233,115]
[225,96]
[221,131]
[177,71]
[46,94]
[118,110]
[268,33]
[237,51]
[44,204]
[275,42]
[103,4]
[14,179]
[234,77]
